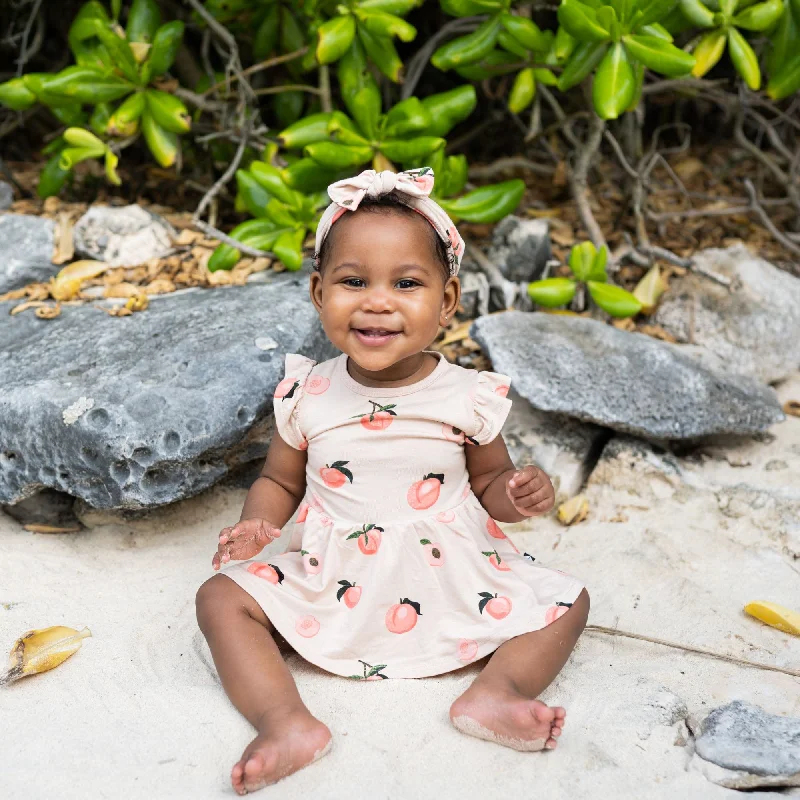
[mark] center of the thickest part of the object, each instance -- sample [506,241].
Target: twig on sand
[699,650]
[766,221]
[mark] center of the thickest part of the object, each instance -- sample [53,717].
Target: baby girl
[393,460]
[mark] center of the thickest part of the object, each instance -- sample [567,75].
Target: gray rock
[6,195]
[123,237]
[47,507]
[626,381]
[564,448]
[521,248]
[754,328]
[474,294]
[26,243]
[748,747]
[144,410]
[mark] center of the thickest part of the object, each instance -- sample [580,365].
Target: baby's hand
[246,539]
[530,491]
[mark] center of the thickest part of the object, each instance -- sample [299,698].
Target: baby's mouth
[375,336]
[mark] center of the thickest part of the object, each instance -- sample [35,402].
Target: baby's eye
[407,283]
[352,282]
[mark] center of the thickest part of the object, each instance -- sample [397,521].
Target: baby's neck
[403,373]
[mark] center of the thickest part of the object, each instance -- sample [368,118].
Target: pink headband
[411,188]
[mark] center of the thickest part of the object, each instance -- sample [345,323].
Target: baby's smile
[375,337]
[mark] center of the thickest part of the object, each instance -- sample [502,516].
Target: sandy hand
[246,539]
[530,491]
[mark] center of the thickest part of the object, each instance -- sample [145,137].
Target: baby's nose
[377,300]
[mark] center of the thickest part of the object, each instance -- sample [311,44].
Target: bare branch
[512,162]
[768,223]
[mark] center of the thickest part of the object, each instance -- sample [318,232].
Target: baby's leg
[259,684]
[500,704]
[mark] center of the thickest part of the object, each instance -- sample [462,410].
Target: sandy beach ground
[673,548]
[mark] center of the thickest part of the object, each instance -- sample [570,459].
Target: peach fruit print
[369,538]
[497,607]
[494,529]
[316,384]
[371,673]
[349,592]
[423,494]
[402,616]
[556,611]
[312,562]
[379,419]
[496,561]
[502,390]
[269,572]
[334,475]
[445,516]
[467,650]
[307,626]
[433,551]
[286,388]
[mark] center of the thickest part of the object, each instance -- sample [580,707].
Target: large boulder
[753,327]
[140,411]
[626,381]
[26,244]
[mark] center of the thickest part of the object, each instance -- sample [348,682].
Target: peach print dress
[393,568]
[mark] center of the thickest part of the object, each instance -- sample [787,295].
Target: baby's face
[382,294]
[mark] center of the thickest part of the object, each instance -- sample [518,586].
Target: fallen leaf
[574,510]
[64,249]
[67,282]
[649,289]
[41,650]
[138,302]
[123,289]
[792,408]
[48,311]
[657,332]
[784,619]
[36,528]
[24,306]
[160,286]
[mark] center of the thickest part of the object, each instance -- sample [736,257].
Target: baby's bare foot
[287,741]
[499,713]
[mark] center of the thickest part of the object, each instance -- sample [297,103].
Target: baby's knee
[582,605]
[211,598]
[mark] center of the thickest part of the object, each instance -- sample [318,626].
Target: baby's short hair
[388,203]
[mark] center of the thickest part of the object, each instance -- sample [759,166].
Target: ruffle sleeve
[286,400]
[491,405]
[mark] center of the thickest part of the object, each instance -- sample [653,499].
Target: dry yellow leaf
[649,289]
[68,281]
[25,306]
[36,528]
[138,302]
[48,312]
[64,248]
[792,408]
[42,649]
[575,510]
[160,286]
[784,619]
[123,289]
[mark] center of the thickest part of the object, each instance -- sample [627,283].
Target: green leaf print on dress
[379,419]
[496,560]
[433,551]
[369,538]
[370,673]
[350,592]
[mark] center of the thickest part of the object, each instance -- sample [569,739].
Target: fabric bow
[411,187]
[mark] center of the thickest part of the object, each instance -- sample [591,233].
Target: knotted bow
[412,188]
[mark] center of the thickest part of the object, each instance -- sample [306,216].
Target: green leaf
[447,109]
[552,292]
[338,156]
[398,7]
[468,49]
[526,32]
[335,37]
[598,270]
[143,21]
[252,194]
[379,23]
[124,121]
[411,151]
[470,8]
[382,53]
[786,81]
[614,83]
[163,144]
[614,300]
[522,91]
[498,62]
[84,84]
[270,178]
[165,48]
[654,11]
[313,128]
[306,175]
[709,50]
[563,45]
[111,162]
[408,116]
[15,95]
[266,39]
[658,55]
[52,178]
[585,57]
[581,259]
[760,16]
[697,13]
[169,112]
[119,50]
[80,137]
[744,59]
[487,204]
[483,603]
[359,90]
[785,44]
[289,249]
[581,21]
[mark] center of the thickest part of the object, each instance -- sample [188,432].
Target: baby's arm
[491,472]
[271,501]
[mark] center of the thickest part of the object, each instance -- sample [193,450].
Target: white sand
[138,712]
